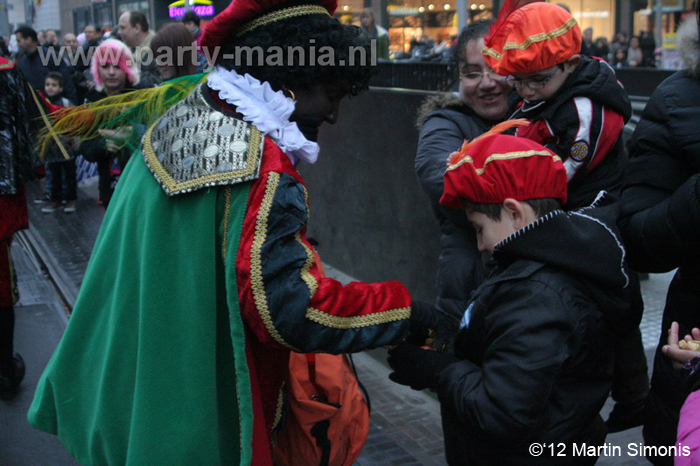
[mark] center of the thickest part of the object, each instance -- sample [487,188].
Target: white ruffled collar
[267,109]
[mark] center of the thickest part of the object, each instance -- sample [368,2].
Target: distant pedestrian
[602,49]
[50,39]
[93,38]
[587,45]
[115,73]
[620,42]
[64,186]
[635,56]
[376,33]
[621,59]
[648,46]
[135,32]
[175,52]
[16,168]
[31,65]
[578,110]
[191,21]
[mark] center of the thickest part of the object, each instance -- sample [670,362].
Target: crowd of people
[638,51]
[202,280]
[92,66]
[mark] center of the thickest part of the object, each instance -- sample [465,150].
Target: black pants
[64,184]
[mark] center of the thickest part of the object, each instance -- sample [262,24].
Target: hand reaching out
[679,357]
[115,139]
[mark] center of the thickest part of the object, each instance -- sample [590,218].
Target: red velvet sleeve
[283,297]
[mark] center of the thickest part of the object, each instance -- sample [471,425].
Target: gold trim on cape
[256,274]
[193,146]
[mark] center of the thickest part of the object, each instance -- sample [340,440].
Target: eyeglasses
[475,77]
[534,84]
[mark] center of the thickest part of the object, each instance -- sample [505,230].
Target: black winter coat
[537,342]
[445,125]
[35,71]
[661,224]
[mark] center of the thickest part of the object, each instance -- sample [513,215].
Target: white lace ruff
[267,109]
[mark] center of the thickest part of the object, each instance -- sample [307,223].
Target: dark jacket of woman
[661,220]
[445,122]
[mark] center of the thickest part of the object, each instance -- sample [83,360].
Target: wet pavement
[405,427]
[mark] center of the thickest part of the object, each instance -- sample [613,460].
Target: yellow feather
[140,107]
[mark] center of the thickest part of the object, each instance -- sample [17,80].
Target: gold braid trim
[560,31]
[284,13]
[8,65]
[507,156]
[280,407]
[256,276]
[368,320]
[171,185]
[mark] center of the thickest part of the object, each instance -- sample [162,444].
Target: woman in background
[175,52]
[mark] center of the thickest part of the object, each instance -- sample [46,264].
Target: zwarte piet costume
[202,281]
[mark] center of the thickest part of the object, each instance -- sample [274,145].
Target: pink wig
[117,53]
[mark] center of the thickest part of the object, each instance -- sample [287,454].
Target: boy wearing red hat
[578,109]
[532,360]
[576,105]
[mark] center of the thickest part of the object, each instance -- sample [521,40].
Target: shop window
[139,5]
[81,18]
[596,14]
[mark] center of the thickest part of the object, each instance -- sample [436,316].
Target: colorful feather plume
[137,109]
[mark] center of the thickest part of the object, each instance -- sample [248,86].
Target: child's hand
[111,146]
[119,135]
[677,355]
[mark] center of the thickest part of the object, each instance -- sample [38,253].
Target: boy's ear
[515,212]
[573,61]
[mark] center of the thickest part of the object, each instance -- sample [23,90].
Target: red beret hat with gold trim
[531,38]
[242,16]
[494,167]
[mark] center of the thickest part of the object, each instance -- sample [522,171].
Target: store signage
[201,7]
[402,11]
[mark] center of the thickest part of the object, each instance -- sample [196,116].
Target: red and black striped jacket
[583,124]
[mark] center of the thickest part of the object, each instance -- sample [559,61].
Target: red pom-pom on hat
[531,38]
[245,15]
[498,166]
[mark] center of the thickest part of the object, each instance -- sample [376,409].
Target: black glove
[416,367]
[425,317]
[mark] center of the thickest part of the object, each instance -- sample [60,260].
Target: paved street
[405,424]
